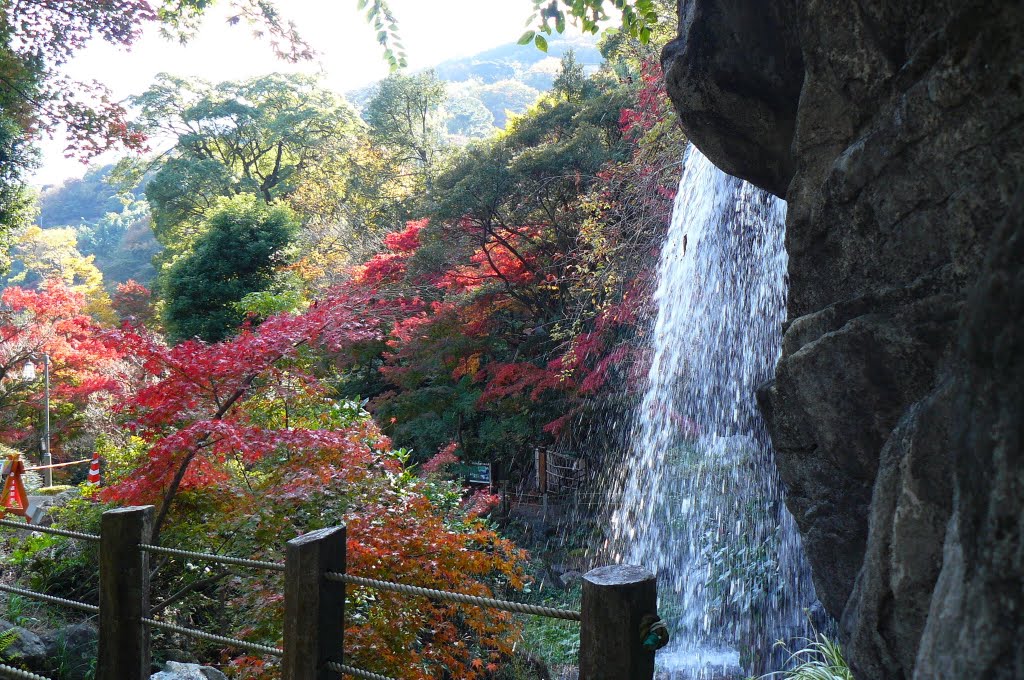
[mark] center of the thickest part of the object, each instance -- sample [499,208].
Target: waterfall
[699,501]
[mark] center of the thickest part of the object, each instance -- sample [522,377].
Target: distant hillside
[482,90]
[117,233]
[524,63]
[505,79]
[79,201]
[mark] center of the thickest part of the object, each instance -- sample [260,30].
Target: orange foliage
[396,531]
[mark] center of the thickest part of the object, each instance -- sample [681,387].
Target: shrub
[820,659]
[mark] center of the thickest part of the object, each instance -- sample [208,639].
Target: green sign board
[478,473]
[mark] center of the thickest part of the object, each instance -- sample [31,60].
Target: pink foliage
[442,459]
[407,240]
[481,502]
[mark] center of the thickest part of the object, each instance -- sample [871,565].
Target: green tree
[405,117]
[349,200]
[15,198]
[505,97]
[18,82]
[242,244]
[639,18]
[570,81]
[468,117]
[254,137]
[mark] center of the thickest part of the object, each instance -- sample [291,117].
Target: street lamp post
[30,374]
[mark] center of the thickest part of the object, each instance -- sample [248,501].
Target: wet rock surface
[174,670]
[895,130]
[735,78]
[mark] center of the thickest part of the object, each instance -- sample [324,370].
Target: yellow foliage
[47,254]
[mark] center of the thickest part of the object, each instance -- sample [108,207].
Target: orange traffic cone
[29,510]
[13,501]
[94,470]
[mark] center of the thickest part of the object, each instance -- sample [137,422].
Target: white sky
[348,54]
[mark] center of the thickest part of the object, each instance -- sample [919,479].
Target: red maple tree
[50,321]
[233,424]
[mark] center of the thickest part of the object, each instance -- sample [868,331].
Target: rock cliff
[895,131]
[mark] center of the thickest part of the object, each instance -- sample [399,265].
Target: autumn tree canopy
[254,137]
[242,242]
[349,308]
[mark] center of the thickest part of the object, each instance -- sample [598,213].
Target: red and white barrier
[94,470]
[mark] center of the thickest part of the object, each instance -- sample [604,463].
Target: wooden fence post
[124,594]
[615,600]
[541,455]
[314,608]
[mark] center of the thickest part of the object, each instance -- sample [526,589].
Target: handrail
[59,465]
[210,557]
[52,599]
[25,526]
[445,595]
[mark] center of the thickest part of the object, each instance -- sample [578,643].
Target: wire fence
[462,598]
[334,576]
[203,635]
[25,526]
[210,557]
[12,672]
[51,599]
[355,672]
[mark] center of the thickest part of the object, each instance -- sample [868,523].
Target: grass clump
[820,659]
[53,490]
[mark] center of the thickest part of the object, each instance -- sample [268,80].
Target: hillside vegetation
[312,310]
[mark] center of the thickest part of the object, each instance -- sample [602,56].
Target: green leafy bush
[820,659]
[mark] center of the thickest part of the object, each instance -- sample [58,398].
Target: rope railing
[209,557]
[73,604]
[54,466]
[447,596]
[12,672]
[202,635]
[25,526]
[355,672]
[127,545]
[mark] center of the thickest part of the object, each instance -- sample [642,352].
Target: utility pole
[30,374]
[47,459]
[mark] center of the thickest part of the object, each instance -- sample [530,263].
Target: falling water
[701,503]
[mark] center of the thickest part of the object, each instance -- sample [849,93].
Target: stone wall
[895,130]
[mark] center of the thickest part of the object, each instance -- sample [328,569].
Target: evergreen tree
[236,255]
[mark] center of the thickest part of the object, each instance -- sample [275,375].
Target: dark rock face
[740,57]
[27,648]
[976,618]
[71,651]
[895,131]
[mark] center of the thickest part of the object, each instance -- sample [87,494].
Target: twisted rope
[355,672]
[241,644]
[208,557]
[91,608]
[58,465]
[25,526]
[444,595]
[12,672]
